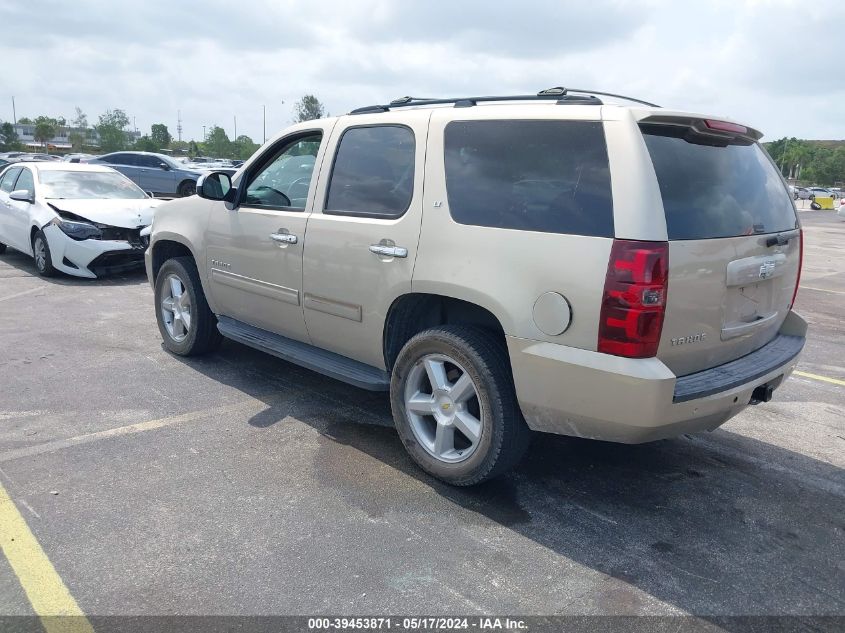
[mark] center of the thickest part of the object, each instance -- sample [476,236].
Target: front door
[254,250]
[153,176]
[362,237]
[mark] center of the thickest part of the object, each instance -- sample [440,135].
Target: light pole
[264,110]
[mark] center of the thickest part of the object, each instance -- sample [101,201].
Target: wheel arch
[168,248]
[414,312]
[183,182]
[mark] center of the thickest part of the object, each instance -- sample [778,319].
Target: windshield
[80,185]
[717,191]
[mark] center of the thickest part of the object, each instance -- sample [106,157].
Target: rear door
[8,235]
[734,243]
[126,164]
[19,212]
[362,239]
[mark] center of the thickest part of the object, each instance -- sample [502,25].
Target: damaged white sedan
[80,219]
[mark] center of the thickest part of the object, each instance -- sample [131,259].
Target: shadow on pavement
[714,524]
[25,265]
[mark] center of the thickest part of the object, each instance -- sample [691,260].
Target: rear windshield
[711,192]
[530,175]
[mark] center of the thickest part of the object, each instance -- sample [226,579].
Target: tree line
[810,162]
[111,128]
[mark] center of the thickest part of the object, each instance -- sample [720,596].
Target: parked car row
[17,157]
[811,193]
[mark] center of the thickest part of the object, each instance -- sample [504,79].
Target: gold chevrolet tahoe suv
[544,262]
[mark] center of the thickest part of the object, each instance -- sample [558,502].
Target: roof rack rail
[562,96]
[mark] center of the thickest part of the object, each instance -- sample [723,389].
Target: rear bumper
[586,394]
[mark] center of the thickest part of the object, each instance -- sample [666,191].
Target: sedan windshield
[79,185]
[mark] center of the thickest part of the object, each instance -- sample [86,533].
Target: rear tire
[41,253]
[188,326]
[473,405]
[187,188]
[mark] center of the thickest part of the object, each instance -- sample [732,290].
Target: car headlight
[78,230]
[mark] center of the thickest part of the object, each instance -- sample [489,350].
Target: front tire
[2,248]
[188,326]
[455,407]
[41,253]
[187,188]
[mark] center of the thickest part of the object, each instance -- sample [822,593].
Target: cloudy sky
[778,65]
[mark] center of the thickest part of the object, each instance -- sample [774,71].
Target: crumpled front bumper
[91,258]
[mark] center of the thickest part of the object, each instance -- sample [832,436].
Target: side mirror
[215,186]
[164,166]
[22,195]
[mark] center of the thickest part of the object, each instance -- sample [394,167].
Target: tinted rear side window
[711,192]
[373,173]
[8,181]
[549,176]
[25,181]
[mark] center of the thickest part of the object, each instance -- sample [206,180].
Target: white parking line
[49,447]
[20,294]
[835,292]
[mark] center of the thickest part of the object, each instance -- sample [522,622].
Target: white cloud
[774,64]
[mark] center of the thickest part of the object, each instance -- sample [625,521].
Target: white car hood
[128,214]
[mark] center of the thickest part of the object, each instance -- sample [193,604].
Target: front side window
[373,173]
[283,182]
[8,180]
[530,175]
[25,181]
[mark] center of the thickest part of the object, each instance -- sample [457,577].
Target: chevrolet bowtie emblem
[445,406]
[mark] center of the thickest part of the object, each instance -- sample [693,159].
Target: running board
[305,355]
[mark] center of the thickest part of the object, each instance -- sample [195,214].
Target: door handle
[284,238]
[388,251]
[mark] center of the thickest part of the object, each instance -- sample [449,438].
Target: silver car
[500,265]
[156,173]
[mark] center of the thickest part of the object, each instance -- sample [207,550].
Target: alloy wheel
[443,408]
[40,254]
[176,308]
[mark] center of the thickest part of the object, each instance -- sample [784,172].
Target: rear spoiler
[717,129]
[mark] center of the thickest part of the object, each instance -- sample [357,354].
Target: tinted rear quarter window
[548,176]
[717,191]
[373,172]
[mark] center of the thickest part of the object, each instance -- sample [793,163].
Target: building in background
[61,142]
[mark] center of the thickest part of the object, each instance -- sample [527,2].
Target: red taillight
[726,126]
[634,300]
[800,266]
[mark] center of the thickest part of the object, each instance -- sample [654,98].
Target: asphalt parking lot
[240,484]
